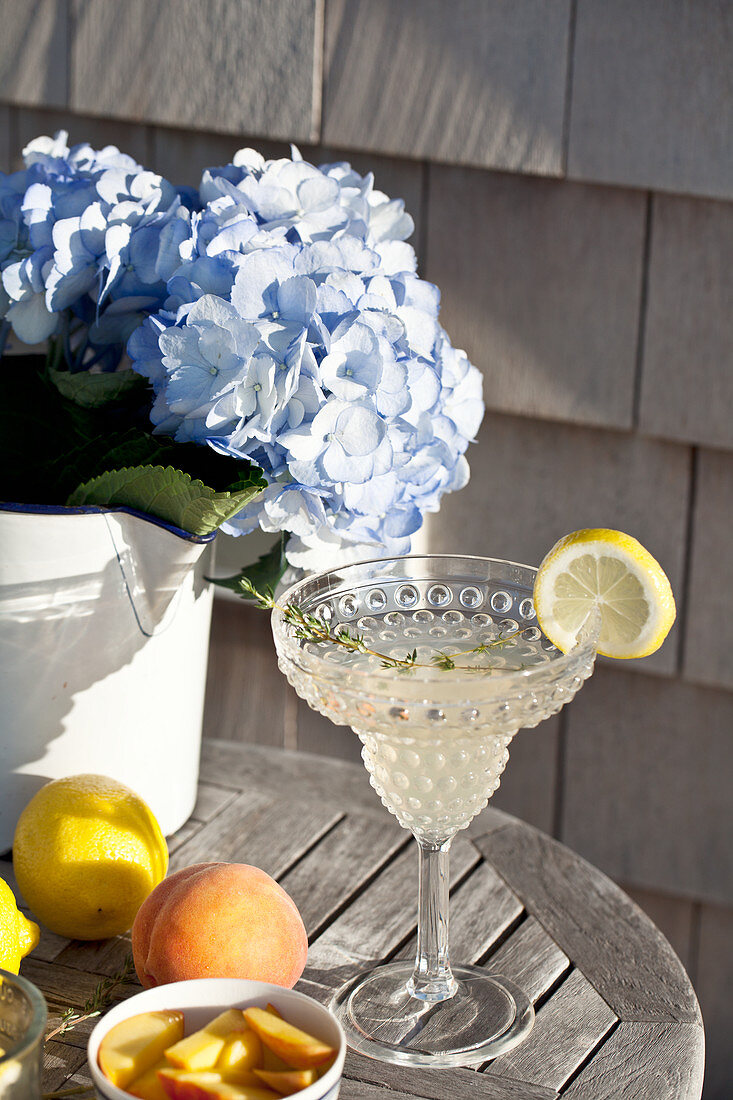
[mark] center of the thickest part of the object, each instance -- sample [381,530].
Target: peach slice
[242,1051]
[288,1082]
[180,1085]
[200,1050]
[148,1087]
[299,1049]
[133,1046]
[271,1061]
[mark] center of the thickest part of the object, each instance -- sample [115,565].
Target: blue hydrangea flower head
[297,333]
[278,316]
[85,237]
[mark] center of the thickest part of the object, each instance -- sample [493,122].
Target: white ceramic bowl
[204,998]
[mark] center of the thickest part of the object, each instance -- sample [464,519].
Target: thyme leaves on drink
[309,628]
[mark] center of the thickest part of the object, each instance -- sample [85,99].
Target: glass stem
[432,979]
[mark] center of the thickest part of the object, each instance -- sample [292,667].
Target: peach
[219,920]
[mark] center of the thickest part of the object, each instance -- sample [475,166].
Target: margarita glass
[443,663]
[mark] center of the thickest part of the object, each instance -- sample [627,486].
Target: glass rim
[36,1027]
[586,638]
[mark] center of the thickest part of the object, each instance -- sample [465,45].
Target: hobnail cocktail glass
[435,741]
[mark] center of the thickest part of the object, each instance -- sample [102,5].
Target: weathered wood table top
[616,1014]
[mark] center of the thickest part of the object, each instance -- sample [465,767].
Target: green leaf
[262,575]
[93,391]
[113,450]
[170,494]
[50,445]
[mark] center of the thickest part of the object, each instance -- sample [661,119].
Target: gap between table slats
[380,920]
[616,946]
[568,1028]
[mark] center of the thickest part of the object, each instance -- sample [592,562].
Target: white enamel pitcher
[104,632]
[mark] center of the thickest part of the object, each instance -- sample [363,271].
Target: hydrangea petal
[255,289]
[32,322]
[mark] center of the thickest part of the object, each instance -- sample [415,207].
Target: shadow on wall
[458,84]
[35,30]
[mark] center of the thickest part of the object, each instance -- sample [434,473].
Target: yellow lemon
[18,936]
[610,571]
[87,852]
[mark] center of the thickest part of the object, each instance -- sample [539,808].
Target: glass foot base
[486,1016]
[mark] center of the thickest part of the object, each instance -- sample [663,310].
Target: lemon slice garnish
[609,570]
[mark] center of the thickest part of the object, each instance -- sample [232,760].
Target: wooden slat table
[616,1014]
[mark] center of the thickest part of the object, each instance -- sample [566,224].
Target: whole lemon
[18,936]
[87,852]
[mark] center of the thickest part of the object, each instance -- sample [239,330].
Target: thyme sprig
[100,1000]
[309,628]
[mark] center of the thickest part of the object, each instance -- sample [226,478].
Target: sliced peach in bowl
[298,1023]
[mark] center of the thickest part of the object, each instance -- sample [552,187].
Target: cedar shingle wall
[569,164]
